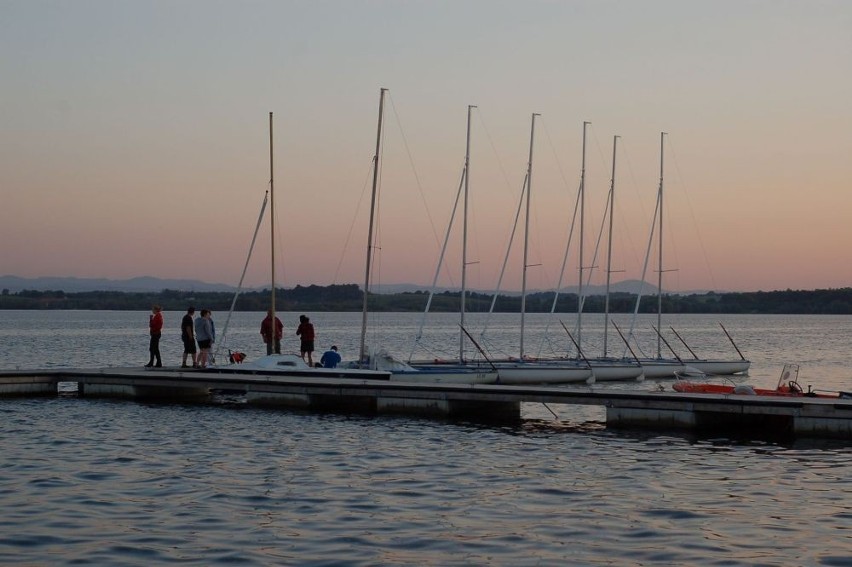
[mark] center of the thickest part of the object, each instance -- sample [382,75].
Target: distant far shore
[349,297]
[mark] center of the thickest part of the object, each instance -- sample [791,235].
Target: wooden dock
[742,414]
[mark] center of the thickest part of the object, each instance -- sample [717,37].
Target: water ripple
[100,482]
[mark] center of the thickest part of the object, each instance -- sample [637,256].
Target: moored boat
[724,367]
[380,359]
[660,367]
[439,373]
[604,367]
[523,369]
[517,372]
[294,365]
[543,372]
[788,386]
[793,390]
[606,370]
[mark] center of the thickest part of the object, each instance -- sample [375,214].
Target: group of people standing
[272,331]
[199,330]
[202,331]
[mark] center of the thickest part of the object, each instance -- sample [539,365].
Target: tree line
[349,297]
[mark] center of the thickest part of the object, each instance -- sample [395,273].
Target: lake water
[103,482]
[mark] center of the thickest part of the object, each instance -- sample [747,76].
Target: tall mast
[370,229]
[580,259]
[272,223]
[609,246]
[660,256]
[526,235]
[464,235]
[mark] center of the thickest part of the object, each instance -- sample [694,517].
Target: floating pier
[742,414]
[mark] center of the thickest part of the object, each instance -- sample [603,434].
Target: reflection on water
[100,482]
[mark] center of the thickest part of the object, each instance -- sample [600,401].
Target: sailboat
[290,364]
[509,370]
[660,367]
[381,360]
[605,368]
[528,370]
[523,369]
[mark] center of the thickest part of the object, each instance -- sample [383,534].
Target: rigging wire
[506,257]
[536,244]
[414,170]
[280,248]
[581,299]
[242,277]
[431,294]
[631,331]
[625,158]
[504,176]
[354,221]
[565,256]
[692,215]
[418,342]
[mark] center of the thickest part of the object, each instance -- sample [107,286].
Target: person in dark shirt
[187,335]
[306,332]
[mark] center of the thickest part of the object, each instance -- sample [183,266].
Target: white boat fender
[744,389]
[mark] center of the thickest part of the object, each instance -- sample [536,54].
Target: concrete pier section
[742,415]
[28,385]
[739,414]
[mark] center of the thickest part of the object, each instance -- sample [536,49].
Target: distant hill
[73,285]
[151,284]
[627,286]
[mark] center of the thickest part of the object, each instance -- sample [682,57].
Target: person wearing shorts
[187,335]
[306,332]
[205,336]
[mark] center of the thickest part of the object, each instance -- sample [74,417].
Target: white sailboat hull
[293,365]
[542,373]
[606,371]
[511,373]
[439,374]
[450,376]
[661,368]
[666,368]
[724,367]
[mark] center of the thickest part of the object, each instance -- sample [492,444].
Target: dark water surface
[101,482]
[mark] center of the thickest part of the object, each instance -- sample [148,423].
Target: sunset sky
[134,138]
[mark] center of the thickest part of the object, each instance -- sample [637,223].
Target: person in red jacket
[273,341]
[306,332]
[155,325]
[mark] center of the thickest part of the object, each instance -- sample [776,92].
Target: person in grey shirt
[205,334]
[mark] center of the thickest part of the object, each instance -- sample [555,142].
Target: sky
[134,140]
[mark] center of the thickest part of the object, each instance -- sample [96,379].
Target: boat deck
[795,416]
